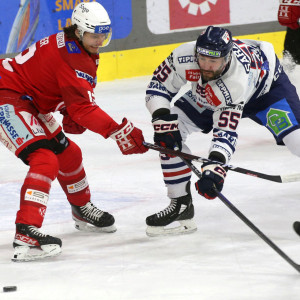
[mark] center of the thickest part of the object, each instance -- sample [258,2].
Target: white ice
[223,260]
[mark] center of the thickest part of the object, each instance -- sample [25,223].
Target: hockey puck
[12,288]
[297,227]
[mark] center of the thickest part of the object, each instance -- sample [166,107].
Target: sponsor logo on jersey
[192,75]
[220,83]
[90,79]
[186,59]
[72,47]
[60,39]
[157,85]
[211,97]
[228,136]
[36,196]
[244,59]
[78,186]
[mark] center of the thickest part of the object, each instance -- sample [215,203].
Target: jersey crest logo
[211,97]
[72,47]
[192,75]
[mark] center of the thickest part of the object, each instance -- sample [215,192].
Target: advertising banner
[167,16]
[197,13]
[23,22]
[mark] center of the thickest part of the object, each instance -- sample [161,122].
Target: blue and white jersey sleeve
[170,76]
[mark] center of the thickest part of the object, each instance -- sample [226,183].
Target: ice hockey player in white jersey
[230,79]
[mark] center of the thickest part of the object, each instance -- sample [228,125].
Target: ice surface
[223,260]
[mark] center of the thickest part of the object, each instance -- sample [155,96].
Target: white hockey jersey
[250,74]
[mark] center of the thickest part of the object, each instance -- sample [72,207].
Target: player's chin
[94,50]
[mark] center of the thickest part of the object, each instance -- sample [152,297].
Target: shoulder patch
[72,47]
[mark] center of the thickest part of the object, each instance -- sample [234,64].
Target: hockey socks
[35,190]
[72,177]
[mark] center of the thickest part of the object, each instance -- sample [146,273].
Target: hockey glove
[69,126]
[213,176]
[129,138]
[289,13]
[166,131]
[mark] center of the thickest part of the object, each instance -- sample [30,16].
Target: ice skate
[28,239]
[90,218]
[181,209]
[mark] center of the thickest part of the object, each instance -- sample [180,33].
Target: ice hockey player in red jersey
[58,73]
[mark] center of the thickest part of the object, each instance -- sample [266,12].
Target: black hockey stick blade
[274,178]
[296,226]
[246,220]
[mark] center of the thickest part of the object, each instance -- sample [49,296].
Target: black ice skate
[29,237]
[181,209]
[90,218]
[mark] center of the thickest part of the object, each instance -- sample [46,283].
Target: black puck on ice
[297,227]
[12,288]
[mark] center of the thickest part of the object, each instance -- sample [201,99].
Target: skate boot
[181,209]
[89,218]
[29,237]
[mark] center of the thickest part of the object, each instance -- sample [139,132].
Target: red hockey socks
[71,175]
[35,190]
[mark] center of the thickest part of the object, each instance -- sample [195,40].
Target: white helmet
[92,17]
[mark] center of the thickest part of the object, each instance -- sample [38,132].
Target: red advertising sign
[198,13]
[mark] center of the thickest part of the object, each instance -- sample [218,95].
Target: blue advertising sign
[23,22]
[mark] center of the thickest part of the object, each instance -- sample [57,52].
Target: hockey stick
[245,219]
[275,178]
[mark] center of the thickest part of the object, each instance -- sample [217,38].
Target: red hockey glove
[213,176]
[166,131]
[289,13]
[129,138]
[69,126]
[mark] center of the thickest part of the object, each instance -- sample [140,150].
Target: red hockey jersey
[57,72]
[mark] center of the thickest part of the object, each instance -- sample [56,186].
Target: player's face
[92,41]
[211,67]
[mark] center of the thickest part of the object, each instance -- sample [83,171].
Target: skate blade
[186,227]
[22,254]
[83,226]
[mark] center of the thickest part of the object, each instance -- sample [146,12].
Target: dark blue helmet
[214,42]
